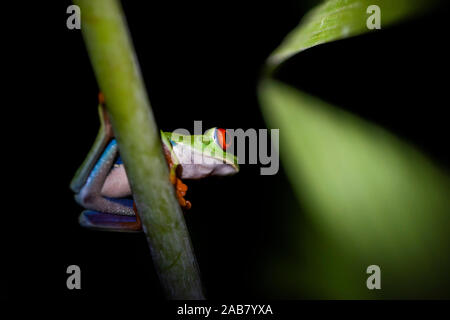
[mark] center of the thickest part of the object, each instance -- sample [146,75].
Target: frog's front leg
[180,187]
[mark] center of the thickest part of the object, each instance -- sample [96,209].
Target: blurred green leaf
[371,199]
[338,19]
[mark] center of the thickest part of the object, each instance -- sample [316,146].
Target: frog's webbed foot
[181,189]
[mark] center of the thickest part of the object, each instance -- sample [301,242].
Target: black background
[201,61]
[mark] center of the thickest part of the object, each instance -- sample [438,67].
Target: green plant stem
[115,64]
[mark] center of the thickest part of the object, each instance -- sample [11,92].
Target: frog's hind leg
[90,196]
[104,213]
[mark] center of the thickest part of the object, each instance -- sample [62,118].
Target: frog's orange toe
[181,186]
[181,201]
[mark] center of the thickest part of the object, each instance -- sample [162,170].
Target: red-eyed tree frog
[101,185]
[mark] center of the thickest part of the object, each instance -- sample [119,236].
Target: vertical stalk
[115,64]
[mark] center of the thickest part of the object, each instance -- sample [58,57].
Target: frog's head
[209,153]
[216,145]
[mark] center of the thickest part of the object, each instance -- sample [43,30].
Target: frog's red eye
[221,139]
